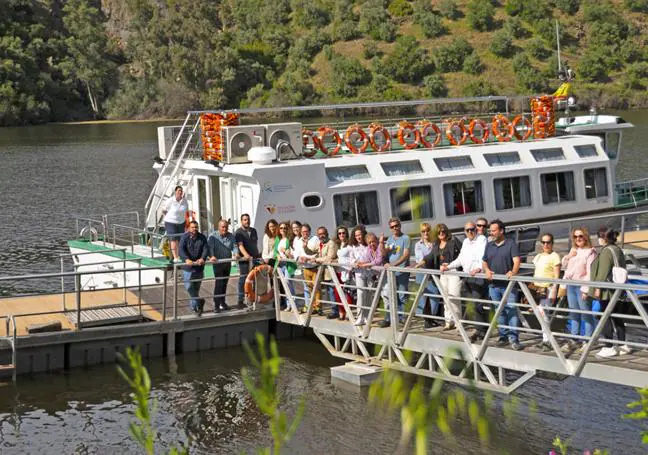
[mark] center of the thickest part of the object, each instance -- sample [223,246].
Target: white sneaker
[360,321]
[608,352]
[625,349]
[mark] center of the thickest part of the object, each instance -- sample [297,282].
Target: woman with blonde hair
[576,265]
[282,252]
[422,248]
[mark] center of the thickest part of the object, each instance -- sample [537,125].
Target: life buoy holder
[190,216]
[250,281]
[502,128]
[485,132]
[327,131]
[376,129]
[526,128]
[424,131]
[357,130]
[541,123]
[462,130]
[307,136]
[406,130]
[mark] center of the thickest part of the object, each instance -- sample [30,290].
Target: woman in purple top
[373,257]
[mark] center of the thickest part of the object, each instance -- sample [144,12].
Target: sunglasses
[424,231]
[342,233]
[480,225]
[394,226]
[579,236]
[443,232]
[545,242]
[282,228]
[470,229]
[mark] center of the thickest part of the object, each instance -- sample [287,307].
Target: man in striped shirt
[222,245]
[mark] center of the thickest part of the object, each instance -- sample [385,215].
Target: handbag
[619,274]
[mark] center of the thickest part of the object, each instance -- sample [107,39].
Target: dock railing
[561,351]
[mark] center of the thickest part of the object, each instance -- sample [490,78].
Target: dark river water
[52,173]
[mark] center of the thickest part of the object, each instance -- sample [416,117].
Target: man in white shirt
[470,260]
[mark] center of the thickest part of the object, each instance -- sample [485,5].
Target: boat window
[553,154]
[409,203]
[453,163]
[558,187]
[402,168]
[586,151]
[340,174]
[612,141]
[463,197]
[356,208]
[502,159]
[512,193]
[596,183]
[311,201]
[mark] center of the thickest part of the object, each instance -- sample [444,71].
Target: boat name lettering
[269,187]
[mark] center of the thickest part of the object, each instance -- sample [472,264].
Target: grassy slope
[498,71]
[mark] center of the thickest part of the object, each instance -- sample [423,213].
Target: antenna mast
[558,45]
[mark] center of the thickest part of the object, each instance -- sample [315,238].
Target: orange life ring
[450,133]
[376,129]
[527,125]
[500,122]
[189,217]
[485,131]
[306,135]
[541,125]
[356,129]
[250,285]
[424,132]
[405,130]
[327,131]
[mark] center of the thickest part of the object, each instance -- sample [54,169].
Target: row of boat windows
[413,167]
[460,198]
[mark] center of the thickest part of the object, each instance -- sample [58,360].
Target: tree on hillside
[408,62]
[502,44]
[375,22]
[349,74]
[89,48]
[480,15]
[451,57]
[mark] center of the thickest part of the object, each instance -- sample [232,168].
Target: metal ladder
[172,173]
[10,368]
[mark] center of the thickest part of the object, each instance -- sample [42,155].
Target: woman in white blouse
[269,238]
[174,219]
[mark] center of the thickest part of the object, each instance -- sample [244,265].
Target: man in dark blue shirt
[222,246]
[193,252]
[247,241]
[502,257]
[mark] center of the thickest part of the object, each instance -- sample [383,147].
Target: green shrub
[345,30]
[408,62]
[370,50]
[451,57]
[375,22]
[431,24]
[638,6]
[568,6]
[636,76]
[349,74]
[594,66]
[536,48]
[435,86]
[546,29]
[502,44]
[308,14]
[473,65]
[515,28]
[479,87]
[514,7]
[400,8]
[480,15]
[449,9]
[535,11]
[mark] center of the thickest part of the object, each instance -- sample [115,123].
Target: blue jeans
[330,291]
[576,302]
[193,287]
[429,289]
[509,314]
[402,283]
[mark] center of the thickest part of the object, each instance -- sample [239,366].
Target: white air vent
[286,139]
[240,139]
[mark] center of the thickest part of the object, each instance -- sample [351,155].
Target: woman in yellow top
[547,265]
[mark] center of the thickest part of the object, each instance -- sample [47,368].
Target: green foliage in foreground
[142,430]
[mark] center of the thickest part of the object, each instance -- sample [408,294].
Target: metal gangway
[410,347]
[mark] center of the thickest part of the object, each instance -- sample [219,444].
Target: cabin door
[227,187]
[246,202]
[203,200]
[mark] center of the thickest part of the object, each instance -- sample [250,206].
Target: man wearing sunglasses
[470,261]
[397,250]
[502,257]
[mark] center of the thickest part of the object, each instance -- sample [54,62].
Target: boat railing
[91,229]
[631,192]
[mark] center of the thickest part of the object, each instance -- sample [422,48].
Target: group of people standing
[294,250]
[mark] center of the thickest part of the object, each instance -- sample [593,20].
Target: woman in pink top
[373,258]
[576,265]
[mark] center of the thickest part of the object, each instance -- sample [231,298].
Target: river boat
[415,165]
